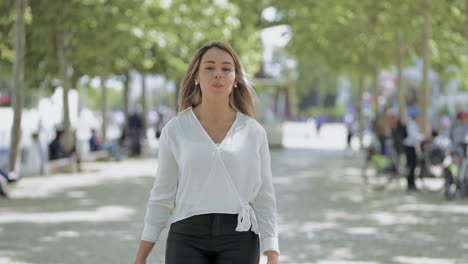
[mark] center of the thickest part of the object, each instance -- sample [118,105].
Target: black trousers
[211,239]
[411,163]
[383,144]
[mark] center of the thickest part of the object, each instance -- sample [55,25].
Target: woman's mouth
[217,85]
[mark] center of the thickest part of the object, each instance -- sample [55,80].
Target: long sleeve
[414,136]
[163,193]
[264,203]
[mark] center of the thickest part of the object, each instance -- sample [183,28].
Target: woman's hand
[272,257]
[143,252]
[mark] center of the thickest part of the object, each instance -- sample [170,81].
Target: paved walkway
[327,216]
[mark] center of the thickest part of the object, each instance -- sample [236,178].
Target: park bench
[99,155]
[88,156]
[62,165]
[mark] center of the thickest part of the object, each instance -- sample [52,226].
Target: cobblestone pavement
[326,215]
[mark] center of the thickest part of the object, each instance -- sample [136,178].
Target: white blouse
[197,176]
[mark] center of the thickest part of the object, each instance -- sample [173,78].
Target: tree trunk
[466,26]
[373,21]
[125,95]
[361,110]
[103,78]
[293,101]
[178,81]
[375,102]
[321,91]
[425,89]
[18,78]
[143,104]
[62,49]
[276,100]
[401,90]
[83,96]
[288,104]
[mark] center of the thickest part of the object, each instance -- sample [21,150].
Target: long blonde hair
[241,98]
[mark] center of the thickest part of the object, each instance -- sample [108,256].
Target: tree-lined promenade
[327,215]
[53,43]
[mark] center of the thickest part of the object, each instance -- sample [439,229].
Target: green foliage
[334,112]
[159,37]
[350,36]
[7,19]
[448,42]
[93,98]
[358,38]
[153,37]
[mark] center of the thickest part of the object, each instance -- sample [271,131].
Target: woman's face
[216,75]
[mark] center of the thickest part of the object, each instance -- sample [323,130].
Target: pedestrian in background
[413,140]
[382,129]
[135,126]
[398,132]
[214,183]
[96,144]
[56,147]
[35,158]
[459,131]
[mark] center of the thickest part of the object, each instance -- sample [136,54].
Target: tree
[91,37]
[356,38]
[424,92]
[7,52]
[18,77]
[51,26]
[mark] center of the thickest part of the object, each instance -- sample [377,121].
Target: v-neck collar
[216,145]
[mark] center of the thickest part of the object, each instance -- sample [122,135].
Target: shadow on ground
[326,216]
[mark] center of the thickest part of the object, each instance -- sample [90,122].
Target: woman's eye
[224,69]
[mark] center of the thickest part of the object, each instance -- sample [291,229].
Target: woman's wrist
[144,250]
[139,259]
[271,254]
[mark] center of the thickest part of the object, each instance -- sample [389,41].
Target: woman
[214,183]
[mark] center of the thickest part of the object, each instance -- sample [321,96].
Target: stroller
[431,163]
[456,172]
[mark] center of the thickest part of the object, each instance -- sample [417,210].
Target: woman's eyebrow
[210,61]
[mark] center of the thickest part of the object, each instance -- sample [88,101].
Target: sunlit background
[322,70]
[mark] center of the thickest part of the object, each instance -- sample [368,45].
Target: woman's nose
[217,74]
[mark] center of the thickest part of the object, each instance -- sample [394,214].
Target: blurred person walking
[214,183]
[35,158]
[398,132]
[413,140]
[135,126]
[459,131]
[351,123]
[382,129]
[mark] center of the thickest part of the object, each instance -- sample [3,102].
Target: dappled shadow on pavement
[327,215]
[91,217]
